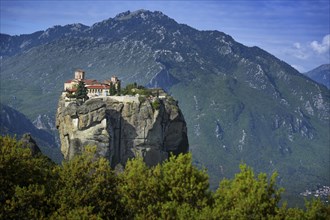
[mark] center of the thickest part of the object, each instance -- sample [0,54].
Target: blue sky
[296,31]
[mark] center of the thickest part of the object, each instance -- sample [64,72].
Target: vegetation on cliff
[32,187]
[134,88]
[81,92]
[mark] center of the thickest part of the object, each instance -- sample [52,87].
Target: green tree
[130,89]
[185,188]
[87,183]
[119,88]
[112,89]
[32,187]
[316,209]
[29,202]
[22,178]
[184,183]
[82,91]
[247,197]
[167,191]
[84,213]
[138,188]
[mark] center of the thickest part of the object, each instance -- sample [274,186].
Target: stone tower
[79,74]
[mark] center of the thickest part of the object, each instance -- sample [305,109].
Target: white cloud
[304,51]
[321,47]
[298,51]
[305,56]
[297,45]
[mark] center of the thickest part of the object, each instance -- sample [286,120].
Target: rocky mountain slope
[14,123]
[321,75]
[241,103]
[123,129]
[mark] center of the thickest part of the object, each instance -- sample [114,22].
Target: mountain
[321,75]
[11,45]
[12,123]
[241,104]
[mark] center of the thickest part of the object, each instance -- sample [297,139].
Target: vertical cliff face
[122,128]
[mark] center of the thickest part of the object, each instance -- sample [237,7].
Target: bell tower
[79,74]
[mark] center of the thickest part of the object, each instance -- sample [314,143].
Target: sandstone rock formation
[122,128]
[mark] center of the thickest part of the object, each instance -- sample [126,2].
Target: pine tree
[82,91]
[118,88]
[112,89]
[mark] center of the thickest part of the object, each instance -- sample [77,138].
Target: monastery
[94,87]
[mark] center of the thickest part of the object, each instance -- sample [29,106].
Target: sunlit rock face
[122,128]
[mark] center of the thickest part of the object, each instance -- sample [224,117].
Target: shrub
[142,99]
[156,104]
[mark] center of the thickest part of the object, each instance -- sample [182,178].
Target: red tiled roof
[90,81]
[72,90]
[107,81]
[86,81]
[98,86]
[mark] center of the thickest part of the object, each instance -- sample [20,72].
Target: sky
[295,31]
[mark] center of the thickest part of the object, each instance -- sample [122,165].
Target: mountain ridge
[240,103]
[320,74]
[10,118]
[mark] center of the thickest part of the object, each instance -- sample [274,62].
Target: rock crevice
[122,130]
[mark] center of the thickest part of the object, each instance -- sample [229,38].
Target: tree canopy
[82,91]
[33,187]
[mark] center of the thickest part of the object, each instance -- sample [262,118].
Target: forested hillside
[33,187]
